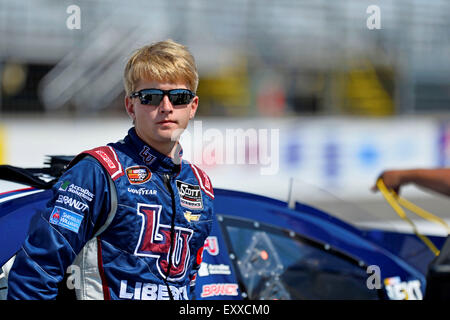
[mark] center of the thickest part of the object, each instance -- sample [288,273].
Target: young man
[128,219]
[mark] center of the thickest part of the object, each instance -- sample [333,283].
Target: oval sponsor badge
[138,174]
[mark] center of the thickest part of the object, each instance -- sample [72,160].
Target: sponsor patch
[191,217]
[66,219]
[84,193]
[190,195]
[138,174]
[106,158]
[64,185]
[68,201]
[142,191]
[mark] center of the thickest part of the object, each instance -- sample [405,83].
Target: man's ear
[194,106]
[129,107]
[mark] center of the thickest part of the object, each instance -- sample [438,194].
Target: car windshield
[277,264]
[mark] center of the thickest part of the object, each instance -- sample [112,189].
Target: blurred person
[437,179]
[127,220]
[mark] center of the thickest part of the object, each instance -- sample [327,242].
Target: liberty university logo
[155,241]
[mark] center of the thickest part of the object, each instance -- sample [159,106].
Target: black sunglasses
[154,96]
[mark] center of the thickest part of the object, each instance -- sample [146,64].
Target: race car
[260,248]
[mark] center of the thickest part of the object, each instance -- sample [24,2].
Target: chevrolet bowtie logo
[191,217]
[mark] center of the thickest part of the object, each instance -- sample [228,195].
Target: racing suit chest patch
[190,195]
[138,174]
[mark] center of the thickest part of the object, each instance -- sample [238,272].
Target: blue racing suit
[125,221]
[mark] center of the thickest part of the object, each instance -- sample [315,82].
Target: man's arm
[58,233]
[437,180]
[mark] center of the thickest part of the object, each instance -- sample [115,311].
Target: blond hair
[164,61]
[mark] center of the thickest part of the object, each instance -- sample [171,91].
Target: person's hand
[392,179]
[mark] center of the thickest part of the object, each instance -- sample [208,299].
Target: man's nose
[166,105]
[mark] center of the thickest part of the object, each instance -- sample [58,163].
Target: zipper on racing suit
[167,179]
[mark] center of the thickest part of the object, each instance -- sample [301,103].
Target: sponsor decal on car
[219,289]
[206,269]
[190,195]
[403,290]
[66,219]
[138,174]
[212,245]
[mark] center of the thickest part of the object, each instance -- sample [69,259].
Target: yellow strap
[421,212]
[391,197]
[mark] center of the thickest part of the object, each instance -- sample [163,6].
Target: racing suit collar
[155,160]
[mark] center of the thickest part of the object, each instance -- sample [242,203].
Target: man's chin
[170,134]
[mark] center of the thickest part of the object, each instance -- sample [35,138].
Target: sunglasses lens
[153,99]
[178,97]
